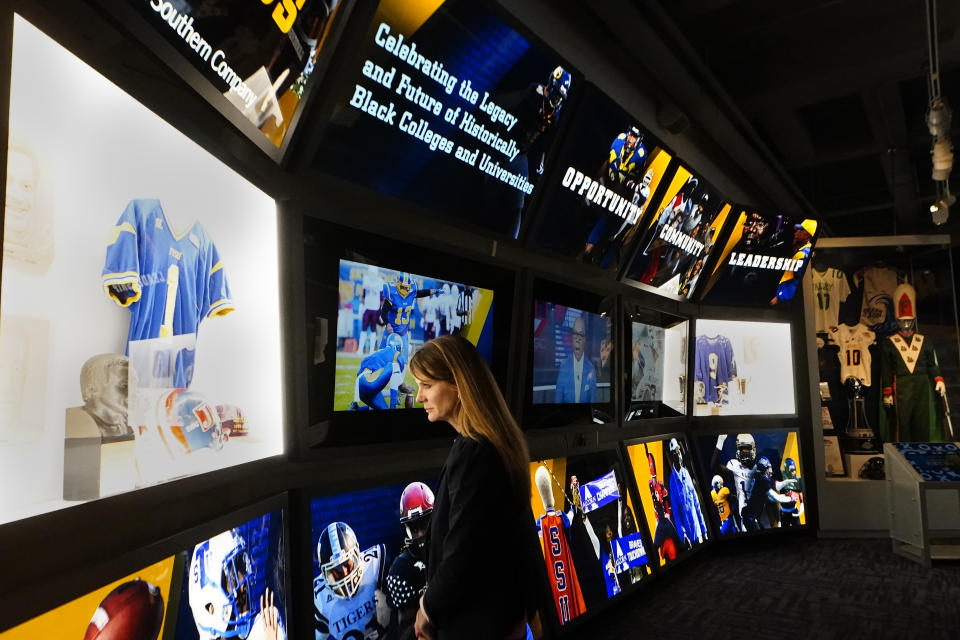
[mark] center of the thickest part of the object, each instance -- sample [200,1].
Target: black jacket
[484,571]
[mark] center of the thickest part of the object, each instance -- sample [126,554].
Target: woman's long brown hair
[482,411]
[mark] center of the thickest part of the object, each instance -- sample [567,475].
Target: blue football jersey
[169,281]
[401,307]
[383,359]
[620,167]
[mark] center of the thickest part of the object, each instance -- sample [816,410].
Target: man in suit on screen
[577,378]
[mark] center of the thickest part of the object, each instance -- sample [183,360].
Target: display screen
[763,260]
[132,607]
[384,316]
[754,480]
[743,368]
[457,109]
[608,170]
[369,560]
[572,355]
[260,55]
[677,239]
[234,584]
[156,352]
[590,537]
[658,367]
[670,493]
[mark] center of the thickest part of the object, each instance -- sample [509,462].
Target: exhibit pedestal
[923,495]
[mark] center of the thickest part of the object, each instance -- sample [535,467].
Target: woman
[482,568]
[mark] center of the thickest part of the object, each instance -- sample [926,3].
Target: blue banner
[628,552]
[599,492]
[934,461]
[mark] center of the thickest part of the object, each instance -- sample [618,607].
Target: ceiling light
[940,211]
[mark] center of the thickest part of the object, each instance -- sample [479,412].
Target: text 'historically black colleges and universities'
[415,90]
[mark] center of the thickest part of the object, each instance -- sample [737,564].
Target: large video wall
[190,321]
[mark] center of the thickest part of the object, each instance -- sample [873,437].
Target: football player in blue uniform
[396,313]
[376,371]
[621,171]
[348,596]
[221,577]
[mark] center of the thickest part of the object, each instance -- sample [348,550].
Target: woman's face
[440,399]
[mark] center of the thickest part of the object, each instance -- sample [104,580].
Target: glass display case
[657,361]
[743,368]
[131,272]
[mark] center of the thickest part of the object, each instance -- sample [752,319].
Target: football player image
[741,467]
[537,109]
[766,490]
[721,500]
[621,171]
[802,244]
[657,491]
[400,300]
[554,530]
[688,516]
[221,577]
[666,539]
[407,578]
[790,512]
[348,594]
[375,373]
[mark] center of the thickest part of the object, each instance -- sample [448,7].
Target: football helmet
[764,468]
[339,554]
[789,469]
[404,284]
[873,469]
[416,505]
[557,87]
[717,483]
[221,575]
[648,178]
[653,465]
[631,141]
[676,455]
[746,449]
[188,422]
[396,342]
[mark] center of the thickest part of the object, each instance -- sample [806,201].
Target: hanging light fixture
[938,120]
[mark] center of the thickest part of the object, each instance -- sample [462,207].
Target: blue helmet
[395,341]
[193,421]
[789,468]
[221,577]
[404,284]
[763,465]
[558,86]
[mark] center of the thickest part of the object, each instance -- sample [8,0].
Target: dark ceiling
[837,90]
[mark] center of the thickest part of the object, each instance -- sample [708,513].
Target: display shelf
[916,473]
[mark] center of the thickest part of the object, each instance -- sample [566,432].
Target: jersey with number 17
[170,280]
[561,572]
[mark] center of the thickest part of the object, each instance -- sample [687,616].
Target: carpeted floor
[790,588]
